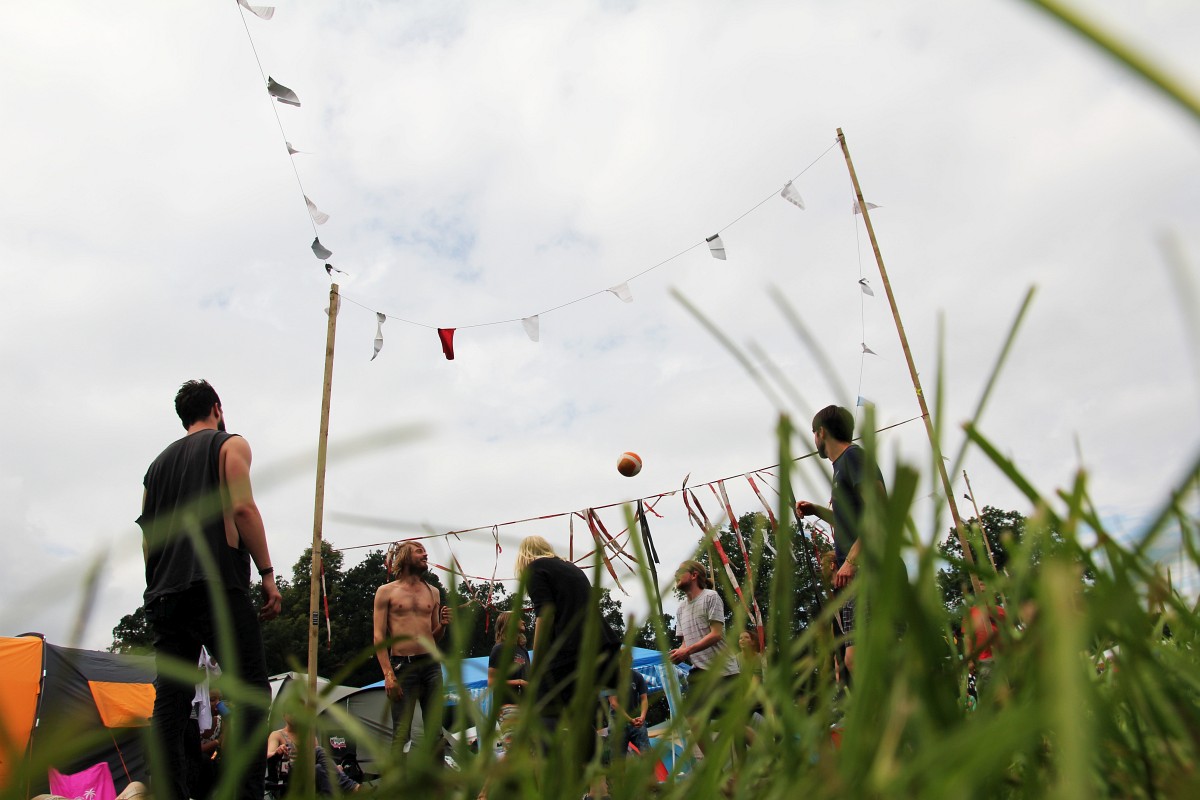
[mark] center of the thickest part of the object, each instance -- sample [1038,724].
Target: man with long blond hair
[410,616]
[561,596]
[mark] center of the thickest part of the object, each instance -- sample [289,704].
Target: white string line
[688,249]
[278,121]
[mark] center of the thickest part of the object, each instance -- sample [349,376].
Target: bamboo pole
[314,592]
[912,369]
[979,517]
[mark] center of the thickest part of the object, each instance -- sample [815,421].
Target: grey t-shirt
[692,623]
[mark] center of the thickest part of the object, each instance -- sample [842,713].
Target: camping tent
[92,702]
[285,683]
[369,705]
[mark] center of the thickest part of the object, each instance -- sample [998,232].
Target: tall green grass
[1061,716]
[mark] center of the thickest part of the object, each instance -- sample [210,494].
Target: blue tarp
[650,663]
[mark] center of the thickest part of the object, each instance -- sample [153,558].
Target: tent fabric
[20,682]
[369,705]
[123,705]
[69,730]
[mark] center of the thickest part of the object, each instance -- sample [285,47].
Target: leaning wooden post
[912,370]
[314,591]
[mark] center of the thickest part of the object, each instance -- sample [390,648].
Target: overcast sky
[484,162]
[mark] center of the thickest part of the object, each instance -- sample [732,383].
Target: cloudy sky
[485,162]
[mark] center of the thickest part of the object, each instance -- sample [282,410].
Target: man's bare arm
[805,508]
[439,617]
[235,464]
[383,654]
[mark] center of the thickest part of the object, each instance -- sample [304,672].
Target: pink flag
[94,783]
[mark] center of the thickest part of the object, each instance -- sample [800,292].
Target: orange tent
[68,709]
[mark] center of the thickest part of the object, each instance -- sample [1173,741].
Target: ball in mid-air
[629,464]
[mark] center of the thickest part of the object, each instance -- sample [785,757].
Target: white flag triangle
[319,250]
[262,12]
[716,246]
[858,210]
[621,290]
[790,194]
[292,150]
[282,93]
[866,289]
[318,216]
[867,349]
[532,327]
[379,320]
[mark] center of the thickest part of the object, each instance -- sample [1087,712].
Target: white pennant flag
[532,327]
[319,250]
[282,93]
[865,288]
[379,320]
[330,268]
[864,402]
[867,349]
[262,12]
[292,150]
[858,210]
[318,216]
[790,194]
[621,290]
[716,246]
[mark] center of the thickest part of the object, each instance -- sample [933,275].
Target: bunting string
[278,93]
[650,500]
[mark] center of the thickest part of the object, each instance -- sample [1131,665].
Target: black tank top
[183,493]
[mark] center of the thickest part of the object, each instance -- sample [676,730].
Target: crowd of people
[202,530]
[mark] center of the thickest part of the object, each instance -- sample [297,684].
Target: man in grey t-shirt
[700,622]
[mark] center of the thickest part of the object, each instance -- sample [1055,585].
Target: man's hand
[272,599]
[843,576]
[678,655]
[445,617]
[391,687]
[637,722]
[804,508]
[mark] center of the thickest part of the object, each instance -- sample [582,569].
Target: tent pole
[912,369]
[314,592]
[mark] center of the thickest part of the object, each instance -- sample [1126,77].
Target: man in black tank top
[200,530]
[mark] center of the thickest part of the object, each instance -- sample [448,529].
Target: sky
[486,162]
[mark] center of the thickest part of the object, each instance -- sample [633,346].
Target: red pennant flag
[447,337]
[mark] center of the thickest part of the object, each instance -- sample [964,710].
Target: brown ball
[629,464]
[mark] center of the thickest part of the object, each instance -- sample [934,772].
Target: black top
[518,670]
[561,588]
[849,482]
[630,695]
[183,502]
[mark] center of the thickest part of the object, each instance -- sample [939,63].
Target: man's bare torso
[412,607]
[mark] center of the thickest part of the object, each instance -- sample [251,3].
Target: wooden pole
[912,369]
[314,591]
[979,518]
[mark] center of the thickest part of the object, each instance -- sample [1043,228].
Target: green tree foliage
[1002,529]
[351,596]
[132,635]
[808,593]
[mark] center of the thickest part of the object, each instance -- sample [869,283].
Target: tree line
[347,658]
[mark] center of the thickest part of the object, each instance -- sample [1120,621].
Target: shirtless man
[409,612]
